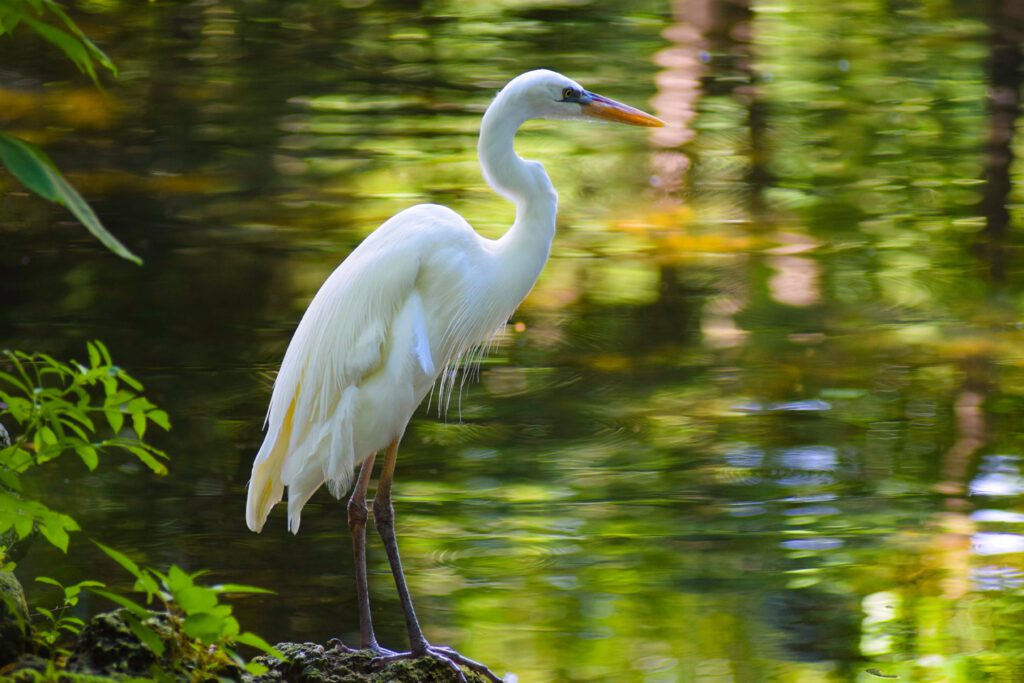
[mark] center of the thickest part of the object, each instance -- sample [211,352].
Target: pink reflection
[796,281]
[678,91]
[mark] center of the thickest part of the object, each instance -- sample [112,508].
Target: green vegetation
[51,633]
[93,410]
[26,161]
[60,409]
[51,23]
[203,631]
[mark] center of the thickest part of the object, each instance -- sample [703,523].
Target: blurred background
[761,418]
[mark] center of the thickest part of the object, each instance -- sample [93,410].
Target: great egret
[420,294]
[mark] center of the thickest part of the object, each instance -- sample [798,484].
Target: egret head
[546,94]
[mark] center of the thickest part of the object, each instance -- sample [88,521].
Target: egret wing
[341,340]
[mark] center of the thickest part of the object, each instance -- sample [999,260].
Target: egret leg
[384,516]
[357,514]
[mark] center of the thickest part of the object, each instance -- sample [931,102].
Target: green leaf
[88,455]
[204,626]
[178,579]
[49,438]
[239,588]
[256,669]
[69,45]
[160,418]
[55,527]
[23,526]
[51,582]
[75,413]
[9,478]
[115,418]
[135,608]
[11,379]
[148,460]
[94,51]
[148,636]
[56,535]
[122,560]
[94,354]
[147,584]
[255,641]
[139,424]
[129,380]
[29,165]
[103,351]
[195,599]
[120,399]
[37,172]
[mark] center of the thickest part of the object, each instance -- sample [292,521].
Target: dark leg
[357,525]
[384,516]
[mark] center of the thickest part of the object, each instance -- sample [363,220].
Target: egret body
[420,294]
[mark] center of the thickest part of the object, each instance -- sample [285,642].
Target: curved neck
[525,183]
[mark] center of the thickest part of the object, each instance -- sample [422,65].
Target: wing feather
[341,340]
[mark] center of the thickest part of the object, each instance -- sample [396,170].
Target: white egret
[420,294]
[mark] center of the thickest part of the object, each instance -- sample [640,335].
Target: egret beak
[604,108]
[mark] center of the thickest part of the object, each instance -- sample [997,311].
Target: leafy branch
[57,622]
[26,161]
[202,627]
[49,20]
[34,169]
[64,408]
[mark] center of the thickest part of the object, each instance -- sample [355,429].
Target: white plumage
[418,295]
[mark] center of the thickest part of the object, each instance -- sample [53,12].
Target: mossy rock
[312,663]
[14,623]
[107,646]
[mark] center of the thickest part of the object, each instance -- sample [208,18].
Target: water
[759,420]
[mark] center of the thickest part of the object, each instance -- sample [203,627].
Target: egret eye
[568,94]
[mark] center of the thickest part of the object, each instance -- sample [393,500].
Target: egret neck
[524,248]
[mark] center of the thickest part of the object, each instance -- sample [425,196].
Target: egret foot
[376,649]
[449,657]
[340,646]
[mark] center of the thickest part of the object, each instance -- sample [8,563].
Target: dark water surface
[760,420]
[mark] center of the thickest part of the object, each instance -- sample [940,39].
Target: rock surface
[312,663]
[14,639]
[107,646]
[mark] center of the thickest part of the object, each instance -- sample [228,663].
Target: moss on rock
[312,663]
[14,636]
[107,646]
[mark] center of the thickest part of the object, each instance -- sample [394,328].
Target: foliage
[53,673]
[48,20]
[90,410]
[62,408]
[56,622]
[204,630]
[34,169]
[25,161]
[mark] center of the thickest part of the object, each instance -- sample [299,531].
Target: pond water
[760,420]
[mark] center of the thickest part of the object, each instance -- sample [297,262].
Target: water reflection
[761,416]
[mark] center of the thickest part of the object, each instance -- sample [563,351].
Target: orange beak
[604,108]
